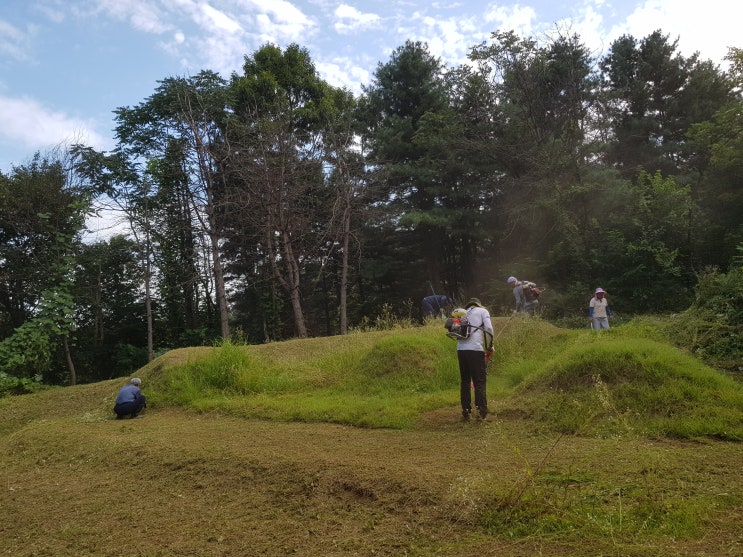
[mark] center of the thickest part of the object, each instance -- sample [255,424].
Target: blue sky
[66,65]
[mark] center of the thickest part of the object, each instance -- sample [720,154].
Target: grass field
[599,445]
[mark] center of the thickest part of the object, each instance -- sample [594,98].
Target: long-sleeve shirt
[128,393]
[482,334]
[518,295]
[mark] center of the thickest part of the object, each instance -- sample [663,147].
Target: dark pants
[133,408]
[473,369]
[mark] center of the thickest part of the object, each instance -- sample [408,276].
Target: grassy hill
[599,444]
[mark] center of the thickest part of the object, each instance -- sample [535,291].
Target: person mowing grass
[473,332]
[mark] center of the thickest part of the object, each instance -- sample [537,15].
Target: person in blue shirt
[130,400]
[434,305]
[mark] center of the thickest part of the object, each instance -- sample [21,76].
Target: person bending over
[130,400]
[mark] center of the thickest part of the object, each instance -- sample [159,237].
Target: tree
[405,110]
[108,302]
[719,145]
[187,115]
[278,199]
[43,212]
[541,141]
[647,244]
[655,95]
[340,126]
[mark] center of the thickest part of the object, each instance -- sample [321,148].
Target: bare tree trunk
[345,260]
[148,296]
[70,363]
[291,281]
[219,285]
[201,131]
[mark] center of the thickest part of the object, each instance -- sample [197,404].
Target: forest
[270,205]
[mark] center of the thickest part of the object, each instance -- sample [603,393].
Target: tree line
[271,205]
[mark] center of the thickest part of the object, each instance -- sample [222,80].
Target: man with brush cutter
[472,329]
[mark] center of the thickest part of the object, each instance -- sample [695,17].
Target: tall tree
[278,198]
[43,210]
[190,114]
[347,177]
[543,101]
[718,143]
[407,94]
[108,301]
[655,94]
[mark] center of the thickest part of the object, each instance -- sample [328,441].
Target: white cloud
[343,72]
[517,18]
[280,22]
[448,39]
[143,15]
[708,31]
[25,122]
[220,20]
[14,43]
[350,19]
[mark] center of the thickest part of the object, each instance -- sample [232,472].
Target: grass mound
[373,379]
[610,384]
[628,379]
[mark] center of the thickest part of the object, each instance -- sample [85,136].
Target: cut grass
[234,463]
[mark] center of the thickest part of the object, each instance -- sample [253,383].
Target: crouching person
[130,400]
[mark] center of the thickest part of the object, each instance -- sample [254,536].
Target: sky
[66,65]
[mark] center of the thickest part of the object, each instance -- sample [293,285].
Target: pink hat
[600,290]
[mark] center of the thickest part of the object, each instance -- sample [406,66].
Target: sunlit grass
[388,378]
[601,382]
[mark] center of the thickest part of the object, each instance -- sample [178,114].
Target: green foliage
[27,353]
[712,328]
[12,385]
[576,382]
[604,386]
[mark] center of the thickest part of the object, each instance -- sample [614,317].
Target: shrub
[712,328]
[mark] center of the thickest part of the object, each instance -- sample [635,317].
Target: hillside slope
[200,479]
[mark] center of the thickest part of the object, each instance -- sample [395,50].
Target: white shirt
[599,306]
[479,318]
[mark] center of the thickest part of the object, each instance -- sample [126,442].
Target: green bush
[10,385]
[712,328]
[616,385]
